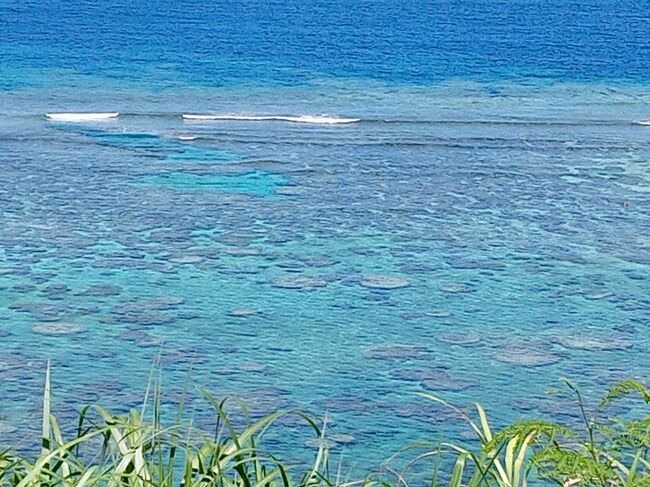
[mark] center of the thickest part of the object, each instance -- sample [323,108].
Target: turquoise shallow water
[479,250]
[480,232]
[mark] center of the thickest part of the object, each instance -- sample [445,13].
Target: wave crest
[81,117]
[314,119]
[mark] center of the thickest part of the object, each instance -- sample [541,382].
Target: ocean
[378,198]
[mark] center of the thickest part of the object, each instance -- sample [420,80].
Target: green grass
[138,450]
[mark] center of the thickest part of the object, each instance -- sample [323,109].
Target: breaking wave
[81,117]
[315,119]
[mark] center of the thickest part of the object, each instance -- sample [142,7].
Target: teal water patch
[131,140]
[258,183]
[156,145]
[201,154]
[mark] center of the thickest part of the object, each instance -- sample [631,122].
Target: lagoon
[479,232]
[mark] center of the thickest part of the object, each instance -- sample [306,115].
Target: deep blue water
[170,43]
[480,232]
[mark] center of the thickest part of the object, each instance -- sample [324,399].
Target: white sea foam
[315,119]
[81,117]
[186,137]
[643,122]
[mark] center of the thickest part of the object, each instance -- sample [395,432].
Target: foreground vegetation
[138,450]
